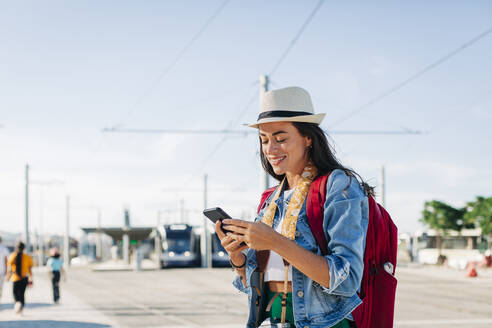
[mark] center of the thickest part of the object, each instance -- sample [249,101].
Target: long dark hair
[18,258]
[320,153]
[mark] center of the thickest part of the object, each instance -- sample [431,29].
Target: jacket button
[306,326]
[298,233]
[300,293]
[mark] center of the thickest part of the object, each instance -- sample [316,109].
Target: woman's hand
[256,235]
[232,246]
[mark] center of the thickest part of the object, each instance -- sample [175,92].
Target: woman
[55,267]
[19,271]
[304,288]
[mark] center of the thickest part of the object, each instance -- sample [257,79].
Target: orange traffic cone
[471,271]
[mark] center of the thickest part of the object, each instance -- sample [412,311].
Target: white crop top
[275,269]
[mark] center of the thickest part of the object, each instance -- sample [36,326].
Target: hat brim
[315,118]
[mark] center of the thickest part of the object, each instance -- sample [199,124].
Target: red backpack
[378,286]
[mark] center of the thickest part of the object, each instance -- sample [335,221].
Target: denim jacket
[346,215]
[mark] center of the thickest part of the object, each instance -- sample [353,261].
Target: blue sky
[69,69]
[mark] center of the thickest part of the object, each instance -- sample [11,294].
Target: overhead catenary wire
[178,57]
[452,115]
[170,66]
[214,97]
[275,67]
[179,190]
[222,140]
[412,77]
[254,96]
[174,131]
[296,37]
[229,132]
[244,110]
[282,57]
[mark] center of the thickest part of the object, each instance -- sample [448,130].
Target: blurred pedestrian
[4,255]
[19,271]
[55,266]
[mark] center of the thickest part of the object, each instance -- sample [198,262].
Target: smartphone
[216,213]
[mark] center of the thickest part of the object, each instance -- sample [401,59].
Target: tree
[442,217]
[480,212]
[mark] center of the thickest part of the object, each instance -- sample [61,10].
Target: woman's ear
[309,142]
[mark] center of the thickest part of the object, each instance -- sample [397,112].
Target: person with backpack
[19,272]
[302,260]
[55,267]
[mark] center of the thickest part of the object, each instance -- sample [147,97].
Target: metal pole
[181,209]
[264,178]
[158,242]
[126,250]
[126,238]
[35,246]
[66,244]
[41,225]
[383,186]
[205,240]
[27,209]
[99,236]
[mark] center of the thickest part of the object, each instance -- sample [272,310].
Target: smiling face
[284,147]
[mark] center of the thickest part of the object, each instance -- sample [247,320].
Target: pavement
[40,311]
[113,296]
[426,297]
[120,265]
[431,296]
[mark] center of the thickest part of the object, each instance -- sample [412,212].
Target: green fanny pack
[274,310]
[260,309]
[274,307]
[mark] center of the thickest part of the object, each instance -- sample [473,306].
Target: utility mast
[382,186]
[206,245]
[27,209]
[66,244]
[264,178]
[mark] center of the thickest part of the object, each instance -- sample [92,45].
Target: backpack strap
[315,207]
[264,197]
[263,256]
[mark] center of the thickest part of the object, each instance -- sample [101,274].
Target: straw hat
[292,104]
